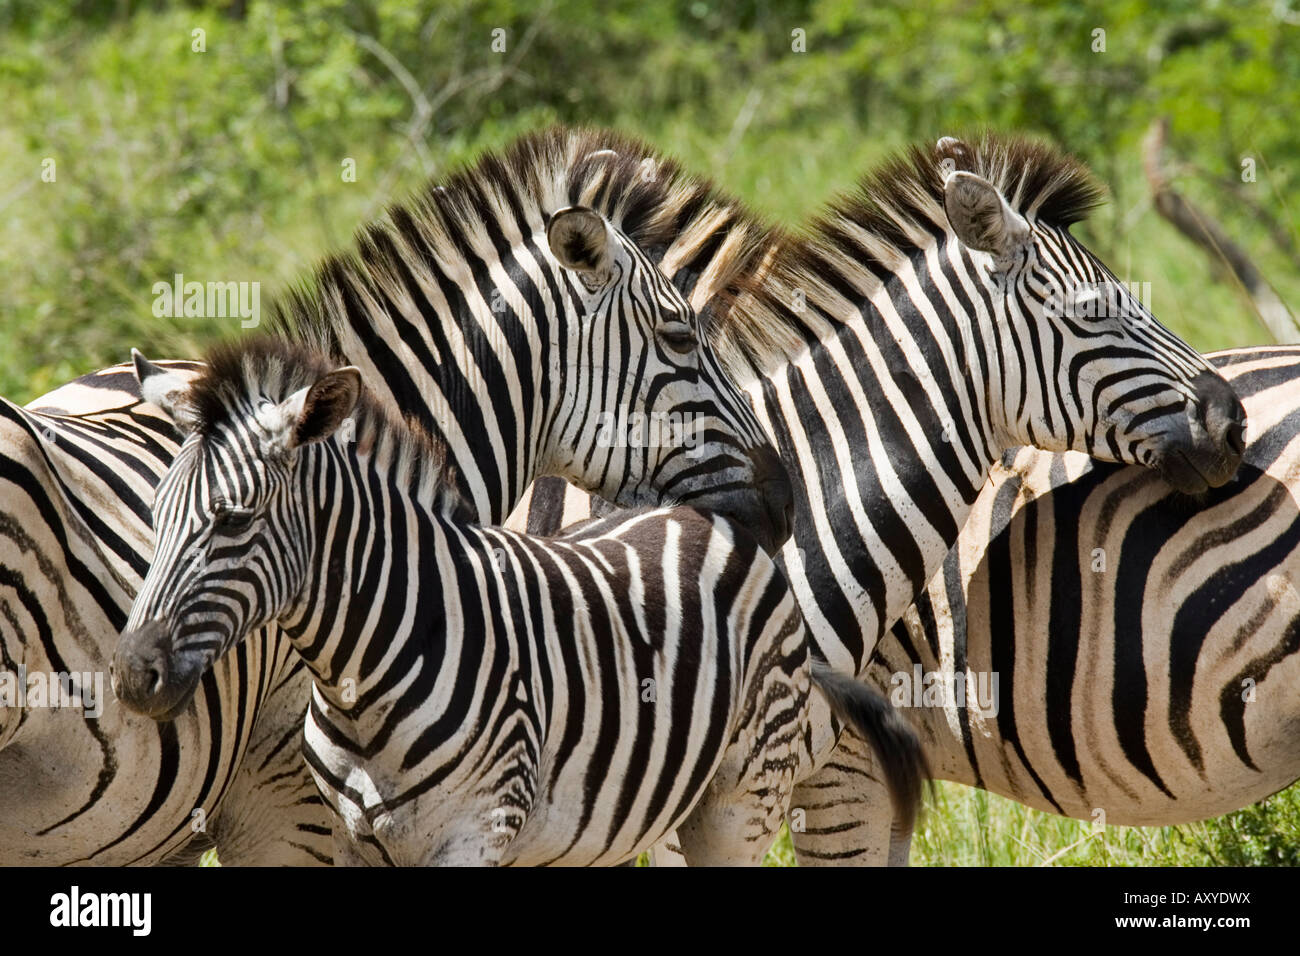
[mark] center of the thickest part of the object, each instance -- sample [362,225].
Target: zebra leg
[841,815]
[733,825]
[346,852]
[740,814]
[900,846]
[273,815]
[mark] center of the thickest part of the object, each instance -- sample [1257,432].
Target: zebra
[481,697]
[1145,641]
[906,213]
[112,788]
[937,316]
[518,293]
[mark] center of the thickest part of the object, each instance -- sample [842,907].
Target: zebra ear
[314,414]
[981,218]
[581,240]
[167,390]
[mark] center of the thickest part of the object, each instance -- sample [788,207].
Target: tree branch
[1205,232]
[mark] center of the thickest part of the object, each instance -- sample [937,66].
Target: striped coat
[481,697]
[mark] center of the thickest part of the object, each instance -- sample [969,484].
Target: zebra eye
[231,522]
[678,336]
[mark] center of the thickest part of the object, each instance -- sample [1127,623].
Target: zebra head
[645,413]
[1084,365]
[235,534]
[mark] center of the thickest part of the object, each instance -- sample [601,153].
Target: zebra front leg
[841,815]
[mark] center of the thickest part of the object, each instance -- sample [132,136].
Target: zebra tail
[896,746]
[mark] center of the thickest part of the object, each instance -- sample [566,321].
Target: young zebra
[481,696]
[938,316]
[1146,642]
[518,294]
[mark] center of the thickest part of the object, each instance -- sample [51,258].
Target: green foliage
[967,827]
[963,826]
[226,164]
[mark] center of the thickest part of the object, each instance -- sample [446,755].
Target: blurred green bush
[226,164]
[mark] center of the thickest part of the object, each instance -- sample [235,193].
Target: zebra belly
[589,811]
[595,812]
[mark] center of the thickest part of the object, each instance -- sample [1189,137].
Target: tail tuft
[896,746]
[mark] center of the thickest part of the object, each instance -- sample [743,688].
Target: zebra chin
[149,678]
[1193,473]
[1202,447]
[1193,463]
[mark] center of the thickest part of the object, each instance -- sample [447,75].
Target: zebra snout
[142,677]
[1201,446]
[1223,422]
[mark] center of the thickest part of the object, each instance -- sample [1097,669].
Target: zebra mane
[241,373]
[701,238]
[860,238]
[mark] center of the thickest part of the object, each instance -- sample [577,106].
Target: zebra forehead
[242,378]
[241,388]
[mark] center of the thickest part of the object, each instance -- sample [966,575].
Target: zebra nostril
[1235,436]
[140,666]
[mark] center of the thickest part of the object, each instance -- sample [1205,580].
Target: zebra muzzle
[145,677]
[778,500]
[1204,449]
[766,509]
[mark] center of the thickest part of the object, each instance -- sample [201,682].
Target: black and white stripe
[1145,641]
[454,302]
[75,540]
[481,696]
[940,315]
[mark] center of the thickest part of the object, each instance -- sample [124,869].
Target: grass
[963,826]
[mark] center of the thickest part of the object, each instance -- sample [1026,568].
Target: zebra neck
[884,423]
[379,552]
[471,382]
[491,444]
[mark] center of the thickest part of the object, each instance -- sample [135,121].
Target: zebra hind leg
[668,851]
[841,815]
[740,814]
[900,845]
